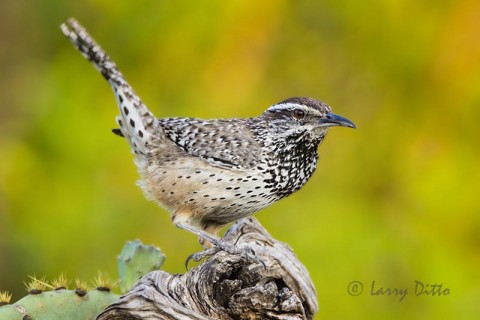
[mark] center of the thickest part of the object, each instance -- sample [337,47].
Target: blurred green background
[395,201]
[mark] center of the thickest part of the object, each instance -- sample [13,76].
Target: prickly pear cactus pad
[137,260]
[55,301]
[59,304]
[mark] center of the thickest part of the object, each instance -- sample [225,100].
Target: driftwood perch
[226,286]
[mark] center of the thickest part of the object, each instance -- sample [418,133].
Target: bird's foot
[221,245]
[198,256]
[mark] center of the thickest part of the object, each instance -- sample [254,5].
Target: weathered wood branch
[226,286]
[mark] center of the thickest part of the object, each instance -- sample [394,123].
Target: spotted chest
[287,161]
[291,168]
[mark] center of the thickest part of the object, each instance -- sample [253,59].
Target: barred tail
[137,124]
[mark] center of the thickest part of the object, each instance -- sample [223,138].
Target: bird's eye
[298,114]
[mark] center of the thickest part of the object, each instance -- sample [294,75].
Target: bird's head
[303,118]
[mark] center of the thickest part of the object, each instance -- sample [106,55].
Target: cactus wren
[208,173]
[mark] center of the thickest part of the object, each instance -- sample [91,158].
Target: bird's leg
[202,234]
[218,245]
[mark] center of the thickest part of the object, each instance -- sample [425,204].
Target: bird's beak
[332,119]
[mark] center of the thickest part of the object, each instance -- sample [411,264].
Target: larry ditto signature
[356,288]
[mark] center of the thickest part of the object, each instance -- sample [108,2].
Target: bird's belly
[206,194]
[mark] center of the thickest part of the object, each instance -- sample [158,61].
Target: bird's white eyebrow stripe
[291,106]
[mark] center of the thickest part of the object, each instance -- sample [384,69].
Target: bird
[208,173]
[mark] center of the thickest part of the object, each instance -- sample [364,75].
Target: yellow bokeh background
[395,201]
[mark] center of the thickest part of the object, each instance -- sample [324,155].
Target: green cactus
[58,302]
[135,261]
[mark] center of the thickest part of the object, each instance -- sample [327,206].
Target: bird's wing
[225,143]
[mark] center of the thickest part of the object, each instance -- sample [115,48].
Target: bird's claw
[198,256]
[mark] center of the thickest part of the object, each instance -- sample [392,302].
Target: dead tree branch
[226,286]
